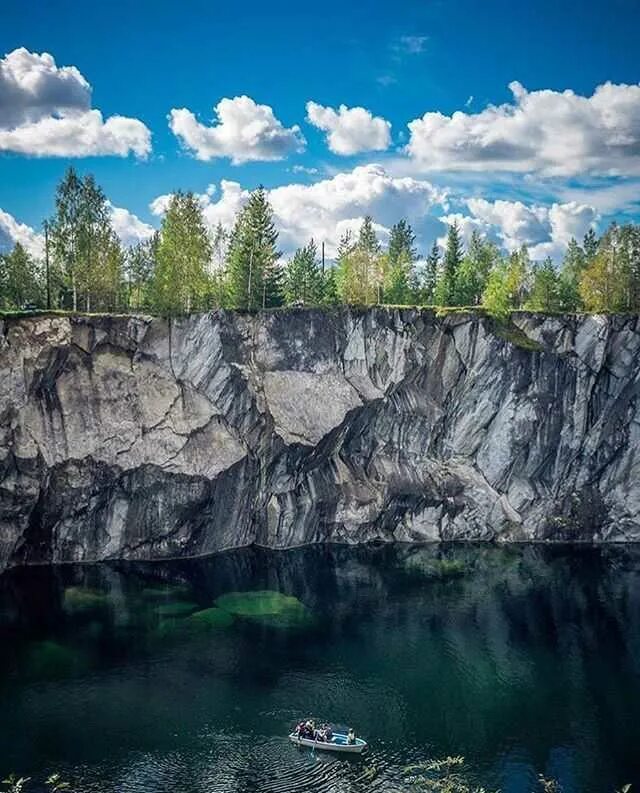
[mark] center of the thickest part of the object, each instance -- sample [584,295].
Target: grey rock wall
[132,437]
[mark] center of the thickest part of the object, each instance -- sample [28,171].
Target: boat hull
[337,744]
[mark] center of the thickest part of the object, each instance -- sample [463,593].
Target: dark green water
[525,660]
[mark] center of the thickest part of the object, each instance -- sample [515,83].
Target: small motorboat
[339,743]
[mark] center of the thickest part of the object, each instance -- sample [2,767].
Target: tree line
[184,267]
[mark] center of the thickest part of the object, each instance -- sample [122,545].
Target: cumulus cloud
[545,230]
[45,110]
[12,231]
[350,129]
[245,132]
[548,132]
[325,209]
[129,228]
[221,210]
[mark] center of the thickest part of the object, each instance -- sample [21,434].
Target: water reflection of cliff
[496,652]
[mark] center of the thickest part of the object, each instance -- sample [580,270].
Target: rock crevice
[133,437]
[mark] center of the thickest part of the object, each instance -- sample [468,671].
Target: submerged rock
[266,607]
[140,438]
[80,600]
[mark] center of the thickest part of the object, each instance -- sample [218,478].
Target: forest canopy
[185,267]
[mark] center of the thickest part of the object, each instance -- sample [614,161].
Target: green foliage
[545,292]
[140,265]
[303,280]
[446,285]
[401,243]
[183,252]
[506,287]
[330,293]
[183,267]
[473,271]
[398,280]
[254,279]
[20,279]
[87,262]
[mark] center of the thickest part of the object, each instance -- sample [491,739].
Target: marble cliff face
[133,437]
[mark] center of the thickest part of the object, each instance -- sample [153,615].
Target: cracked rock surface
[133,437]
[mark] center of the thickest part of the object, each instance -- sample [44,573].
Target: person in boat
[328,733]
[351,736]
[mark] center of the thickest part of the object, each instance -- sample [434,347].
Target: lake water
[170,677]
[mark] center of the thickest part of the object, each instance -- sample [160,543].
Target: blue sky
[397,61]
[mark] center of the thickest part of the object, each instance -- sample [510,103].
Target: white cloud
[245,132]
[45,110]
[129,228]
[546,231]
[304,169]
[11,231]
[549,132]
[223,210]
[325,209]
[351,130]
[412,45]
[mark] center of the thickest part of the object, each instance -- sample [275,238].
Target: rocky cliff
[132,437]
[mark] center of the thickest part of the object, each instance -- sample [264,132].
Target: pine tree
[472,274]
[545,292]
[181,280]
[446,285]
[254,278]
[590,245]
[303,279]
[430,276]
[401,243]
[367,239]
[398,280]
[218,269]
[330,293]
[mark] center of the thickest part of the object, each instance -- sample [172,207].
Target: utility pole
[46,262]
[323,258]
